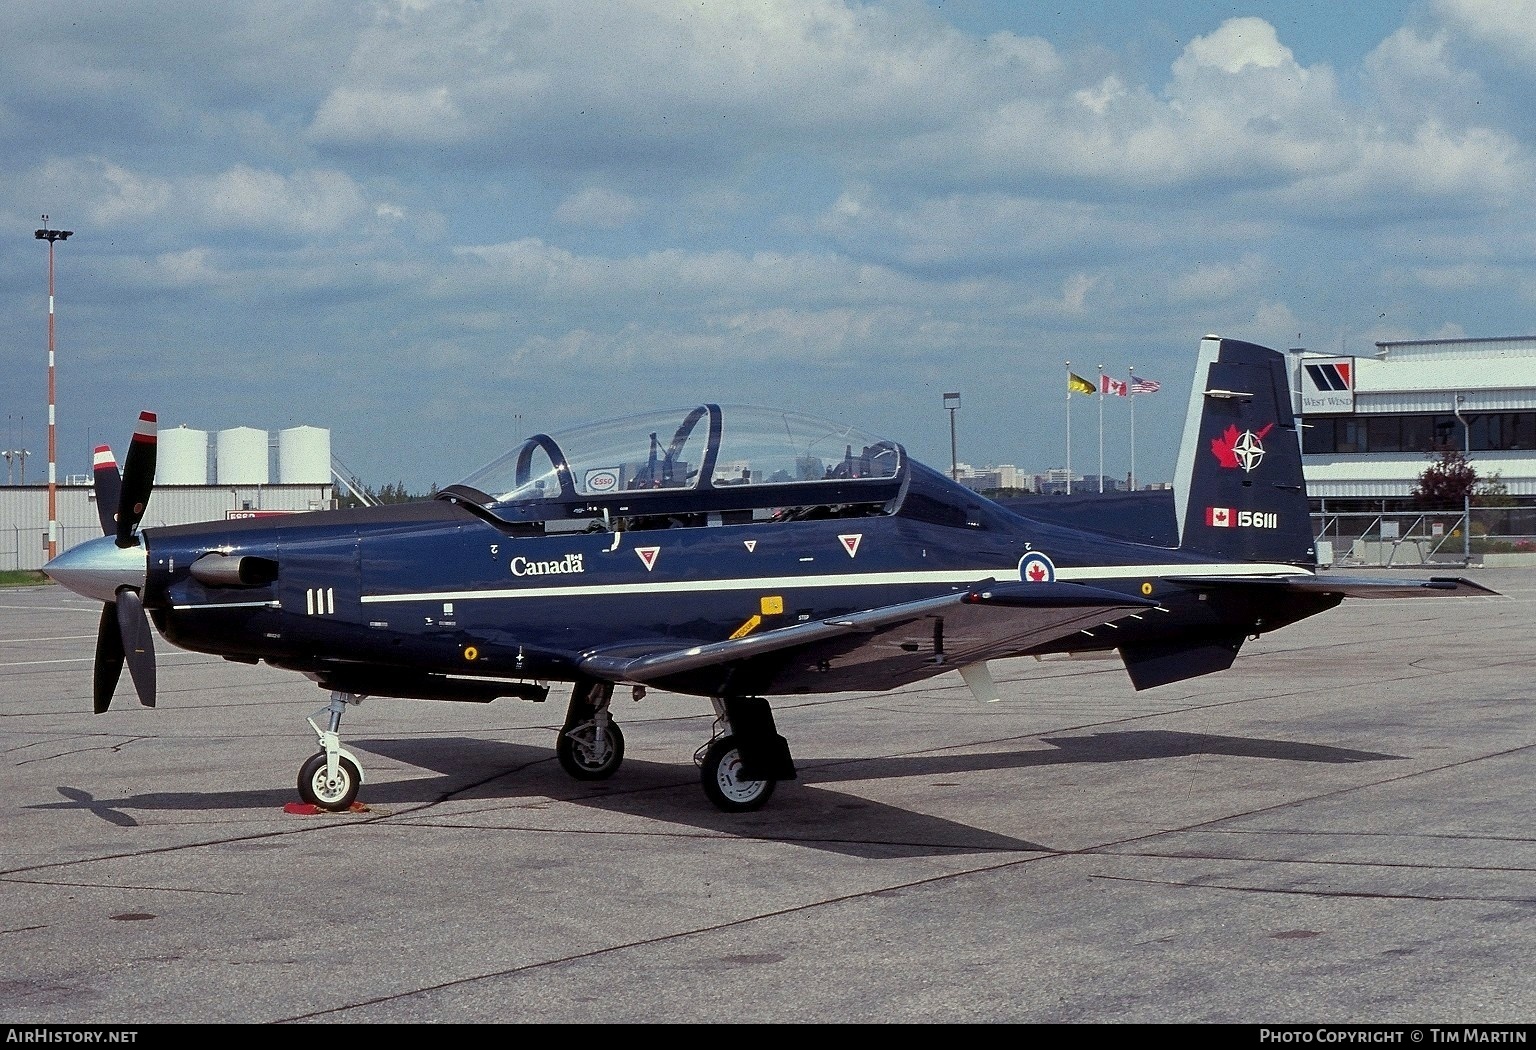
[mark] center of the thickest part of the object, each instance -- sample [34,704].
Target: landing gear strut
[746,758]
[591,745]
[330,779]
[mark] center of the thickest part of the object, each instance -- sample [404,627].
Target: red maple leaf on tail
[1221,447]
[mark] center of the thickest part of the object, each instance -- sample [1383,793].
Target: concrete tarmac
[1336,830]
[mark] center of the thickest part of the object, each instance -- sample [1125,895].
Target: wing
[876,648]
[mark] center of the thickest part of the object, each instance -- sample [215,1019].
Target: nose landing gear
[330,780]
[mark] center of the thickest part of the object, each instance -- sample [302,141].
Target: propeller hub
[98,567]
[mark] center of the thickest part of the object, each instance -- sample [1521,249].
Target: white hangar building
[1371,424]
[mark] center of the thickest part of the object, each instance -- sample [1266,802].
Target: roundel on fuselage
[1035,567]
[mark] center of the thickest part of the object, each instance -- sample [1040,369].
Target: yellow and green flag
[1076,384]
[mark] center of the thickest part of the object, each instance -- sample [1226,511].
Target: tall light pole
[1466,495]
[951,404]
[1130,385]
[15,455]
[1101,430]
[45,234]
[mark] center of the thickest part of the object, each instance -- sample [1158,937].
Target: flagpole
[1101,430]
[1131,387]
[1069,428]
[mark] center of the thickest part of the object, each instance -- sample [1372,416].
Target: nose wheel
[333,791]
[330,780]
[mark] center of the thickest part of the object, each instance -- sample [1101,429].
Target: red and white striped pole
[45,234]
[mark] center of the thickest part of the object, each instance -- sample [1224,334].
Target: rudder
[1239,489]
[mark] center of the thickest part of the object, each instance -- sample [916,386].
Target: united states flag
[1145,386]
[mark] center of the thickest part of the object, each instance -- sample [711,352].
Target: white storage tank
[241,456]
[304,456]
[181,456]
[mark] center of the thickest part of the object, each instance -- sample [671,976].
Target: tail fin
[1239,490]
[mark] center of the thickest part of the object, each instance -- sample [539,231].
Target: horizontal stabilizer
[1350,586]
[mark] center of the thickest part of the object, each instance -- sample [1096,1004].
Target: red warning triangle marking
[648,556]
[851,542]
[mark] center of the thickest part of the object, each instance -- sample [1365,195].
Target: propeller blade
[109,657]
[109,487]
[138,480]
[138,641]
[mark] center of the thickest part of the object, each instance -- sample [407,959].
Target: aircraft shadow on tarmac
[1128,746]
[803,811]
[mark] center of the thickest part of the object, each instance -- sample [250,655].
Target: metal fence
[1426,537]
[27,548]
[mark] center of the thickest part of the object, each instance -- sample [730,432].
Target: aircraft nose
[98,567]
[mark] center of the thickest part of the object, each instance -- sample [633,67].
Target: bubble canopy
[705,449]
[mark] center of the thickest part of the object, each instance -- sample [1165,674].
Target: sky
[437,226]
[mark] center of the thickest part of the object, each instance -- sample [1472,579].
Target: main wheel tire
[580,756]
[721,775]
[320,790]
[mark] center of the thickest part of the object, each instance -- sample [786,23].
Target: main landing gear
[590,745]
[746,758]
[739,767]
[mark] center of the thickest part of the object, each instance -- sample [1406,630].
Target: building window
[1383,434]
[1486,432]
[1418,433]
[1317,437]
[1349,436]
[1520,431]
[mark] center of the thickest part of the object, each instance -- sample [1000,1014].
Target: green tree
[395,492]
[1491,491]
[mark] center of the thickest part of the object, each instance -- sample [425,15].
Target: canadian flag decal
[1219,517]
[648,556]
[851,542]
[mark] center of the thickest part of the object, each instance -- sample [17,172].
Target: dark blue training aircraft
[733,554]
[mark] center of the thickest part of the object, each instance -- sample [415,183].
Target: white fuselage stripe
[953,577]
[229,605]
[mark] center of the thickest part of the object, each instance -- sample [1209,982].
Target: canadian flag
[1112,387]
[1219,517]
